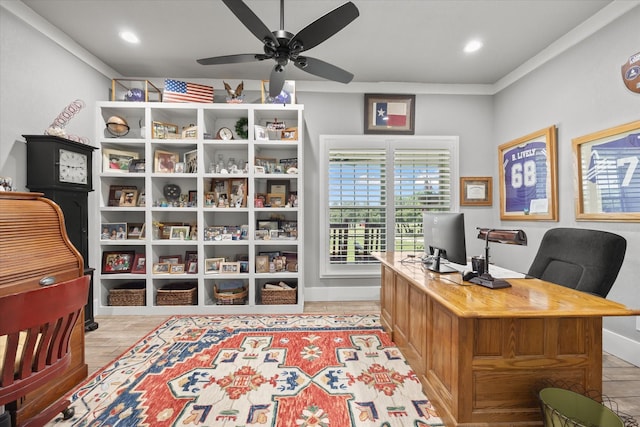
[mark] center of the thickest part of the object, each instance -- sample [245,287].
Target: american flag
[177,91]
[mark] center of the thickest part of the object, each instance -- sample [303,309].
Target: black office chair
[585,260]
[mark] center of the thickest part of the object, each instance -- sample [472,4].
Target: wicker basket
[129,294]
[279,296]
[233,296]
[177,294]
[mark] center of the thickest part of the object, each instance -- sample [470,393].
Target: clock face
[73,167]
[225,133]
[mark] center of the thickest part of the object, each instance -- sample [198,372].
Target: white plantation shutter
[374,192]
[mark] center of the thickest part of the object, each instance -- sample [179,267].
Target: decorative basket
[279,296]
[177,294]
[232,296]
[129,294]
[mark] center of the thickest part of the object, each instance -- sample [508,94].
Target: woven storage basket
[177,294]
[129,294]
[234,296]
[279,296]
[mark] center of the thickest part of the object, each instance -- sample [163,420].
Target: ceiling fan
[284,47]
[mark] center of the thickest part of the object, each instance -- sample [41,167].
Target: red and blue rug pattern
[280,371]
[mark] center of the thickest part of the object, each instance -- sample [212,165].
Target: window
[373,192]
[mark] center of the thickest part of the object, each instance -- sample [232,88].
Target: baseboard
[343,293]
[621,347]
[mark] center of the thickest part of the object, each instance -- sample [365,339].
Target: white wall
[581,92]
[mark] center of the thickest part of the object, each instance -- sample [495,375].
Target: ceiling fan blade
[251,21]
[323,69]
[276,81]
[326,26]
[232,59]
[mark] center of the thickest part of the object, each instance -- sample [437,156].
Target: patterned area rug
[233,371]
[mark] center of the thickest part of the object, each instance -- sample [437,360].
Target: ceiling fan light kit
[284,47]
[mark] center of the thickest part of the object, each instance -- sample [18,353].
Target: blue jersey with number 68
[525,175]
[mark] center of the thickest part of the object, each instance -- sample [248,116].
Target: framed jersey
[528,185]
[608,174]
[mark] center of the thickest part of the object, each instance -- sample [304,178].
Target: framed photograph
[230,267]
[262,263]
[191,161]
[528,185]
[142,200]
[179,167]
[165,161]
[212,265]
[192,267]
[128,198]
[260,133]
[176,269]
[389,114]
[287,94]
[193,197]
[161,268]
[171,259]
[607,182]
[276,200]
[117,262]
[244,266]
[476,191]
[190,256]
[209,199]
[278,187]
[134,230]
[115,192]
[161,130]
[117,160]
[179,233]
[114,231]
[238,193]
[267,224]
[137,166]
[290,134]
[139,264]
[143,234]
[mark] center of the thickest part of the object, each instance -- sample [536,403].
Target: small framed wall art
[476,191]
[389,114]
[528,185]
[608,176]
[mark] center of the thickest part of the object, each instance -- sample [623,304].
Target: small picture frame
[262,263]
[179,167]
[117,161]
[128,199]
[192,267]
[137,166]
[115,192]
[260,133]
[134,230]
[179,233]
[276,200]
[171,259]
[476,191]
[230,267]
[113,231]
[212,265]
[290,134]
[176,269]
[165,161]
[161,130]
[191,161]
[139,264]
[114,262]
[278,187]
[389,114]
[142,200]
[161,267]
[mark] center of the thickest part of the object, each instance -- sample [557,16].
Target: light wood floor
[115,334]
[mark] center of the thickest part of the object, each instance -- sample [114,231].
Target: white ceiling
[415,41]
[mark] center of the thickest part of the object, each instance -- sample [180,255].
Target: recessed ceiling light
[473,46]
[129,37]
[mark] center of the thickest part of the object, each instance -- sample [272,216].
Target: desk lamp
[511,237]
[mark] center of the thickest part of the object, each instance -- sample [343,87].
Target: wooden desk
[480,353]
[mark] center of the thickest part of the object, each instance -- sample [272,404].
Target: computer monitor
[444,238]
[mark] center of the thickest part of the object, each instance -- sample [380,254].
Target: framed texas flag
[389,114]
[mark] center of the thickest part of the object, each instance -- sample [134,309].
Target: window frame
[389,143]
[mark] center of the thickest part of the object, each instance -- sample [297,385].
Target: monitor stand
[434,265]
[488,281]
